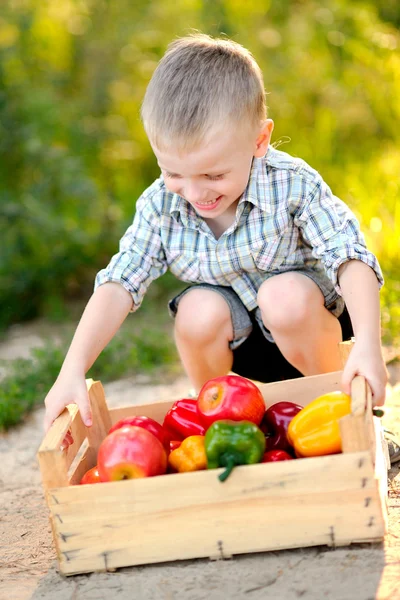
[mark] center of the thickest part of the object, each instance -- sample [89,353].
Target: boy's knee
[287,301]
[202,316]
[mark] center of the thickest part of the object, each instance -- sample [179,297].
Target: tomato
[91,476]
[276,456]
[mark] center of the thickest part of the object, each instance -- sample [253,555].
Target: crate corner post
[101,420]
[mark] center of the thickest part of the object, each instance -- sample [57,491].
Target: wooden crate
[331,500]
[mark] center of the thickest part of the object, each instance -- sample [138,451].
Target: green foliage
[74,157]
[147,349]
[27,383]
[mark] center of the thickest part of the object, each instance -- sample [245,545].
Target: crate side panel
[84,462]
[328,473]
[253,525]
[302,390]
[156,411]
[259,508]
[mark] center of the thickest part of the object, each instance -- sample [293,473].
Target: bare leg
[203,330]
[307,334]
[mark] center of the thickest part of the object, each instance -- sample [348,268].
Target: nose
[193,192]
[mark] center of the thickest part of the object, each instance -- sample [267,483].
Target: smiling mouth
[209,204]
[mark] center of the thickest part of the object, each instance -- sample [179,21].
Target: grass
[144,344]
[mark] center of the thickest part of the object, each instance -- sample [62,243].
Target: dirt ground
[28,568]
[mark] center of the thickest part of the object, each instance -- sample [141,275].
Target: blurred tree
[74,156]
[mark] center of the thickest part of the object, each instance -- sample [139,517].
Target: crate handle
[55,461]
[361,396]
[357,428]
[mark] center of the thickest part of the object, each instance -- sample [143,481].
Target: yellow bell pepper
[190,456]
[314,431]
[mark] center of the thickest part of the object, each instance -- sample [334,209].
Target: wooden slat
[260,507]
[155,411]
[254,526]
[53,461]
[185,489]
[354,434]
[100,413]
[79,433]
[86,462]
[56,434]
[356,429]
[359,389]
[53,468]
[345,348]
[302,390]
[382,465]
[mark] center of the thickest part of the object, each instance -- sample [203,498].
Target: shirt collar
[257,189]
[182,211]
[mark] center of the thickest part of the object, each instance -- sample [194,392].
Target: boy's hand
[68,389]
[367,360]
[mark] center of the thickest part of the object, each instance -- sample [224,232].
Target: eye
[171,175]
[214,177]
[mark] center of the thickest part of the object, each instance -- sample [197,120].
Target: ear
[263,138]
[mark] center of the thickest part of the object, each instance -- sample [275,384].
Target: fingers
[347,377]
[378,395]
[68,441]
[68,438]
[58,398]
[377,386]
[86,413]
[49,419]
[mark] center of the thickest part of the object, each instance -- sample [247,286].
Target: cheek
[172,185]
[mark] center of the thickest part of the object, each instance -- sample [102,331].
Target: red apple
[131,452]
[91,476]
[230,397]
[147,423]
[275,424]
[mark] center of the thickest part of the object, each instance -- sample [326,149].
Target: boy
[276,263]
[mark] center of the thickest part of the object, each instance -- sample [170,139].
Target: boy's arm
[102,317]
[140,260]
[360,289]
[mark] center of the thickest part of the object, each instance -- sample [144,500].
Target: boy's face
[212,178]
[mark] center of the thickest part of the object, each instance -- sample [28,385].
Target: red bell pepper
[174,444]
[182,420]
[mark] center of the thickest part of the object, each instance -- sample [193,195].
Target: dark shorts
[255,354]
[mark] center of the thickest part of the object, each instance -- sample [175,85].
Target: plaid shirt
[286,219]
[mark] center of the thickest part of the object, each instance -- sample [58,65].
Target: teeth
[207,203]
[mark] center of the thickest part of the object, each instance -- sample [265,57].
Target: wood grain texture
[331,500]
[100,415]
[345,349]
[326,500]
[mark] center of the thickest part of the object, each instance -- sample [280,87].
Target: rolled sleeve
[141,257]
[332,230]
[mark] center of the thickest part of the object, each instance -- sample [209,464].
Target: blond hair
[202,84]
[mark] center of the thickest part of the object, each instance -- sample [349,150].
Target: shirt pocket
[185,266]
[272,254]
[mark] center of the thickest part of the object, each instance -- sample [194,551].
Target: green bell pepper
[231,443]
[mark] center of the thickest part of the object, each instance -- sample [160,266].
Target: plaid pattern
[286,219]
